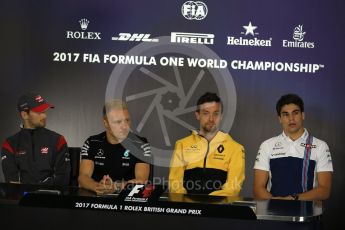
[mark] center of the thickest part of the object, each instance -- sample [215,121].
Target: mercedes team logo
[100,152]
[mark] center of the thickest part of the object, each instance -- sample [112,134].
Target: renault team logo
[194,10]
[298,37]
[84,23]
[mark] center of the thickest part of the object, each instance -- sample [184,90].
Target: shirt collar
[219,136]
[302,138]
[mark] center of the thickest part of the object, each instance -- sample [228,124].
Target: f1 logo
[136,189]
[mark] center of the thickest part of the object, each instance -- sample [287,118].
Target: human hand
[105,186]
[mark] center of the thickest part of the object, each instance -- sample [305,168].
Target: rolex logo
[84,23]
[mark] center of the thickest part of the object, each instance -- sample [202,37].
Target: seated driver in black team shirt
[115,157]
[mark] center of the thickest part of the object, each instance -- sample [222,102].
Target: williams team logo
[249,38]
[298,37]
[84,23]
[194,10]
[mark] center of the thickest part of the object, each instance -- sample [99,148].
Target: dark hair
[289,99]
[209,97]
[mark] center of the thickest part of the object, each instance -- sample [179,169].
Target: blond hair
[114,104]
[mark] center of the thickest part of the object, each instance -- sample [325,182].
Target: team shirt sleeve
[139,147]
[9,167]
[62,163]
[262,160]
[86,151]
[145,149]
[177,168]
[324,159]
[236,175]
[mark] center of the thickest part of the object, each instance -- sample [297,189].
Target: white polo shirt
[290,169]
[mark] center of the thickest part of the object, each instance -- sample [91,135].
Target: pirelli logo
[192,38]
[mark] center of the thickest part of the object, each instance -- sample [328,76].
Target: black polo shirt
[116,160]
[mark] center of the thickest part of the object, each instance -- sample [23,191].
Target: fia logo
[194,10]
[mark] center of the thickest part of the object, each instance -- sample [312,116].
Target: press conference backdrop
[160,56]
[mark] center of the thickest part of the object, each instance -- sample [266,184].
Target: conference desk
[28,206]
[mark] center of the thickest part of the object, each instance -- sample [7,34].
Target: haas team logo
[44,150]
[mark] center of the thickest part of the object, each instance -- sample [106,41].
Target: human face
[117,125]
[209,116]
[291,118]
[34,120]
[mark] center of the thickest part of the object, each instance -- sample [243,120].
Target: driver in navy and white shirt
[294,165]
[115,157]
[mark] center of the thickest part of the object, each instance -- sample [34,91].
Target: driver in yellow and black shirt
[208,161]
